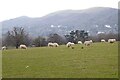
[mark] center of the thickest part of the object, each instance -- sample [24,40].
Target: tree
[56,38]
[77,32]
[83,35]
[67,37]
[7,40]
[40,41]
[77,35]
[98,37]
[72,36]
[16,37]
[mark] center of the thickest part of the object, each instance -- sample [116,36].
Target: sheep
[72,45]
[114,40]
[102,40]
[4,48]
[50,44]
[111,40]
[79,42]
[91,41]
[23,46]
[69,44]
[87,43]
[55,44]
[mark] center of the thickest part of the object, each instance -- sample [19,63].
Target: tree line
[19,36]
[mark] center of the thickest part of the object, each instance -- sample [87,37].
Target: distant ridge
[92,20]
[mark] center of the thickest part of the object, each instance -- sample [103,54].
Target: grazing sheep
[111,40]
[4,48]
[72,45]
[23,46]
[55,44]
[102,40]
[69,44]
[91,41]
[79,42]
[114,40]
[87,43]
[50,45]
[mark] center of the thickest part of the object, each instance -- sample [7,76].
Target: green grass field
[100,60]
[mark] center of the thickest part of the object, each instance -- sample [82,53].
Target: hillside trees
[56,38]
[77,35]
[16,37]
[40,41]
[19,36]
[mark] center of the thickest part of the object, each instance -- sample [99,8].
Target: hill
[94,20]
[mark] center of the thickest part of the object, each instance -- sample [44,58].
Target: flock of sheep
[69,44]
[21,47]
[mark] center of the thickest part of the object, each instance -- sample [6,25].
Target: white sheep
[102,40]
[79,42]
[23,46]
[55,44]
[111,40]
[91,41]
[114,40]
[87,43]
[4,48]
[70,44]
[50,44]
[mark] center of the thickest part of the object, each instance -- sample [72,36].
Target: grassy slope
[100,60]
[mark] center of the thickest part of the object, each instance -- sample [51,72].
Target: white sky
[37,8]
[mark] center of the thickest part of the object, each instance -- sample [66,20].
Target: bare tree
[16,37]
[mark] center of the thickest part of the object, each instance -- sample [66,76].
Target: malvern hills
[94,20]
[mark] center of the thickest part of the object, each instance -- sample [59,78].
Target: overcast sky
[37,8]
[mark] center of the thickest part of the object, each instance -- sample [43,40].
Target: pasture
[100,60]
